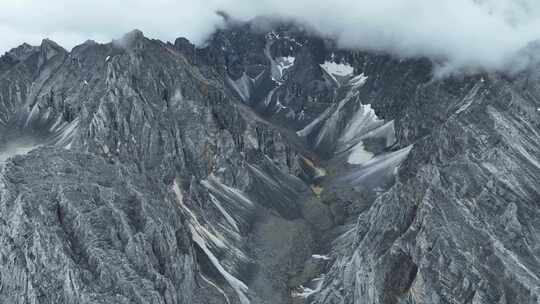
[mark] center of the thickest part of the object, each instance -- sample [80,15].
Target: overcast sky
[461,34]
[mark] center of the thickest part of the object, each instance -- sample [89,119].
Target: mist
[460,36]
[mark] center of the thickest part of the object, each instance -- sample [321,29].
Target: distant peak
[183,42]
[134,34]
[49,43]
[49,49]
[48,46]
[89,42]
[130,40]
[22,52]
[22,48]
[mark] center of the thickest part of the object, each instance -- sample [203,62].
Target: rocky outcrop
[446,231]
[78,229]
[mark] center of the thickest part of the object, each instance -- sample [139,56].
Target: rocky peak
[185,47]
[134,35]
[49,49]
[22,52]
[17,55]
[134,40]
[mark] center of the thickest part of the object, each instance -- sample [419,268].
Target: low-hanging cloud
[459,35]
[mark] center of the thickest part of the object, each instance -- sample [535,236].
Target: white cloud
[461,34]
[71,22]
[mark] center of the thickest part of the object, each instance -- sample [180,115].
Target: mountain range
[267,166]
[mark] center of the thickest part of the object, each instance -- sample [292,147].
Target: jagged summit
[49,43]
[134,34]
[49,49]
[17,54]
[131,40]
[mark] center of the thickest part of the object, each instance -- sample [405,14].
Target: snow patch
[278,65]
[359,155]
[309,128]
[301,115]
[306,292]
[321,257]
[239,287]
[358,81]
[284,63]
[215,237]
[268,98]
[13,149]
[379,166]
[65,133]
[469,99]
[330,126]
[216,287]
[33,113]
[339,69]
[177,97]
[386,131]
[224,212]
[280,106]
[201,236]
[243,86]
[214,185]
[363,121]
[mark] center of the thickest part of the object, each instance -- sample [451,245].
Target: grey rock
[76,229]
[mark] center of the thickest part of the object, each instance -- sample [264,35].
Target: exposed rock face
[447,231]
[77,229]
[267,167]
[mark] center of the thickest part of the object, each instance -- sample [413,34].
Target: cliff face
[460,223]
[266,167]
